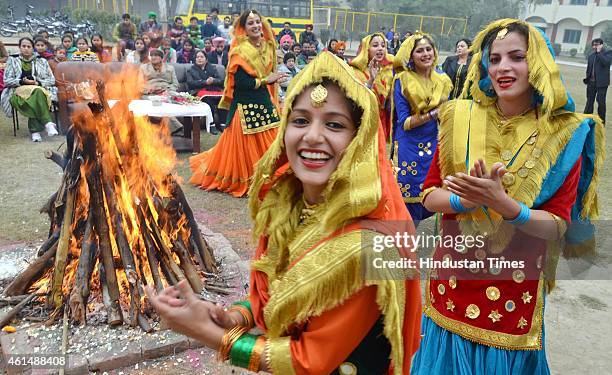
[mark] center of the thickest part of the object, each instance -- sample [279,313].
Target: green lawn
[27,179]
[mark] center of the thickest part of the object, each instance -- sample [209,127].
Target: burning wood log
[118,208]
[55,157]
[6,319]
[36,269]
[80,291]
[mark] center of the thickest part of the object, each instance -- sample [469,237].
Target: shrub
[573,52]
[557,49]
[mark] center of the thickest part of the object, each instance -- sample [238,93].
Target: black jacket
[451,67]
[601,63]
[212,57]
[196,79]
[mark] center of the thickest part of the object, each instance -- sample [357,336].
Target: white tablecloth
[146,108]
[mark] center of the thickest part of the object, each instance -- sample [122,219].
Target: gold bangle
[228,339]
[258,352]
[246,315]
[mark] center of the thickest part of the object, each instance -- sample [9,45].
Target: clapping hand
[480,187]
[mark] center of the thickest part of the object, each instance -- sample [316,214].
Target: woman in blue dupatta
[517,167]
[418,91]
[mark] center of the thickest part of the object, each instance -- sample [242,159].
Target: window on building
[578,2]
[572,36]
[610,3]
[545,2]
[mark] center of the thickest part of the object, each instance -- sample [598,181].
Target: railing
[345,20]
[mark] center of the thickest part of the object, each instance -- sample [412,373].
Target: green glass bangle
[246,304]
[240,354]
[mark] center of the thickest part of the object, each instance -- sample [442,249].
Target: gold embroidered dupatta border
[326,276]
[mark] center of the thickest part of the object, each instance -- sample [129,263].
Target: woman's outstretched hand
[185,313]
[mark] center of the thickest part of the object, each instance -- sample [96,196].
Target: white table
[195,111]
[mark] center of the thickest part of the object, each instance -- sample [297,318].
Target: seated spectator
[390,34]
[285,45]
[214,15]
[302,58]
[289,66]
[394,44]
[58,57]
[97,47]
[187,54]
[150,25]
[41,49]
[309,36]
[195,32]
[224,29]
[176,29]
[152,28]
[169,52]
[158,78]
[209,30]
[296,49]
[44,34]
[235,16]
[83,53]
[140,54]
[177,42]
[124,33]
[147,41]
[286,31]
[340,50]
[68,45]
[30,88]
[208,45]
[331,45]
[204,80]
[219,55]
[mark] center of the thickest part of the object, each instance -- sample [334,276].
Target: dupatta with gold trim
[301,271]
[422,97]
[559,131]
[382,82]
[257,62]
[540,148]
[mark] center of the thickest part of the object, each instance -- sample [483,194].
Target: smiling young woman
[319,196]
[418,91]
[250,97]
[516,166]
[374,67]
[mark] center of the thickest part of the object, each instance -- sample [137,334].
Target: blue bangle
[456,205]
[523,216]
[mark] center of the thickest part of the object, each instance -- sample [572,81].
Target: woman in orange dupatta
[374,67]
[322,198]
[251,99]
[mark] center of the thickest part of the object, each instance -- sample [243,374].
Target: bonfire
[119,219]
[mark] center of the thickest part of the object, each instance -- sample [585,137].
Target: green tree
[478,13]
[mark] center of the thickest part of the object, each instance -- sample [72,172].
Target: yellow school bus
[298,12]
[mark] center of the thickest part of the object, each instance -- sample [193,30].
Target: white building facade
[571,23]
